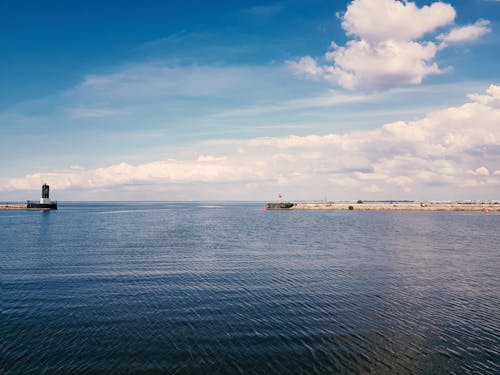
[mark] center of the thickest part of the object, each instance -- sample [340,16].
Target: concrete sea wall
[13,206]
[490,207]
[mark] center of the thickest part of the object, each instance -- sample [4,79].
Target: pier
[43,204]
[13,206]
[458,206]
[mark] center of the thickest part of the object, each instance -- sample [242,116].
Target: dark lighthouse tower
[45,191]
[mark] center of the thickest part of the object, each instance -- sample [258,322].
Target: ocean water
[226,288]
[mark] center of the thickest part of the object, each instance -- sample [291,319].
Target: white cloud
[386,48]
[381,20]
[481,171]
[306,66]
[447,154]
[466,33]
[385,64]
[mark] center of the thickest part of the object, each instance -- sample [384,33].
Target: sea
[230,288]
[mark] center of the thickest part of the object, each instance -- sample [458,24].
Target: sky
[245,100]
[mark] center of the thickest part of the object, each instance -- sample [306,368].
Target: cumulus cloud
[381,20]
[361,64]
[386,48]
[454,152]
[466,33]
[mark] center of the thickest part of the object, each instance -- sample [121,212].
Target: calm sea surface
[220,288]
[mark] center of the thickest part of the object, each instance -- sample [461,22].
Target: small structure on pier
[280,205]
[45,202]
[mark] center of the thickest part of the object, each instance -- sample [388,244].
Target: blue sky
[116,100]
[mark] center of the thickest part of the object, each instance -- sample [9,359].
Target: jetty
[388,206]
[13,206]
[43,204]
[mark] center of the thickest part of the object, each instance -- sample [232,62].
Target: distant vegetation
[359,201]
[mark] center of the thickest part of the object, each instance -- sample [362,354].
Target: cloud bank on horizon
[387,47]
[452,151]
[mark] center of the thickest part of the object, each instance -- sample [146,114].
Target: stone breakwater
[21,206]
[13,206]
[489,207]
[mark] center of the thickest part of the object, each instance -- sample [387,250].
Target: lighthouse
[45,194]
[45,202]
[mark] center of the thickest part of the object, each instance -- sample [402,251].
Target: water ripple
[145,288]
